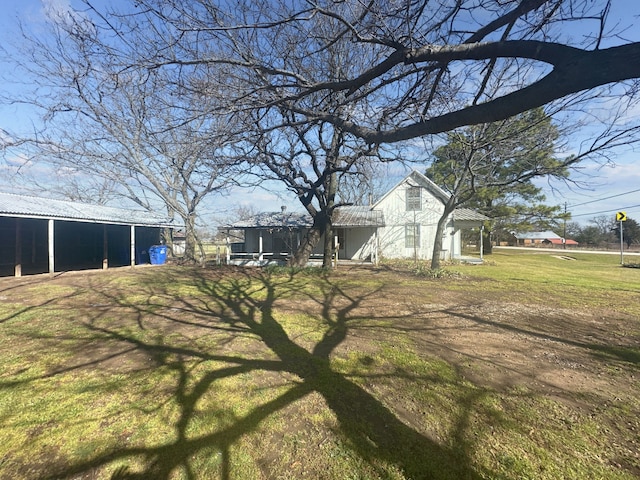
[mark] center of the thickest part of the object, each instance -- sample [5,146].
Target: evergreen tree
[491,167]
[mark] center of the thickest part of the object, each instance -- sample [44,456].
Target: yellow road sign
[621,217]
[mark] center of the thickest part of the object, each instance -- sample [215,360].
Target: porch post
[375,247]
[132,246]
[481,240]
[228,251]
[50,246]
[456,241]
[260,252]
[18,259]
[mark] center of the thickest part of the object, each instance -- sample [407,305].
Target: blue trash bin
[158,254]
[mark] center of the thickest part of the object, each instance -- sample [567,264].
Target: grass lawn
[524,367]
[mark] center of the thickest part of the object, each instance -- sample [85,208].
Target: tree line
[604,231]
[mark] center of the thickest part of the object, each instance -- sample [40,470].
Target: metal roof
[466,214]
[275,219]
[358,216]
[12,205]
[347,216]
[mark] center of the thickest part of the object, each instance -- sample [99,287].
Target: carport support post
[52,265]
[105,248]
[132,237]
[481,241]
[260,253]
[18,263]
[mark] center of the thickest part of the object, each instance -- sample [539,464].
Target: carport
[41,235]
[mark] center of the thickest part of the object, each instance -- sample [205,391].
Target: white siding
[396,216]
[360,243]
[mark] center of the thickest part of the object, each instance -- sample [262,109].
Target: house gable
[412,209]
[415,179]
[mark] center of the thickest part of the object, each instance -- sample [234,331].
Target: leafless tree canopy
[108,124]
[425,67]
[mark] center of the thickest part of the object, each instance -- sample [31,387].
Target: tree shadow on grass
[606,352]
[245,304]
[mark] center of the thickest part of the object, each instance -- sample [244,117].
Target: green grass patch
[589,280]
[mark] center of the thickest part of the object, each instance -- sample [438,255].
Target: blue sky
[602,189]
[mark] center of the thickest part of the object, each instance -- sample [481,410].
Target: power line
[605,211]
[605,198]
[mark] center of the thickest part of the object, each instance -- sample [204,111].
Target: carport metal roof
[12,205]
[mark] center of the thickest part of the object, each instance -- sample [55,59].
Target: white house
[411,212]
[402,224]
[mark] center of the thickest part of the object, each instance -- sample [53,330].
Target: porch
[272,238]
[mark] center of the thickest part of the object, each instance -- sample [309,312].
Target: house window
[412,235]
[413,198]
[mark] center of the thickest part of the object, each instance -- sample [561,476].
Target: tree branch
[580,71]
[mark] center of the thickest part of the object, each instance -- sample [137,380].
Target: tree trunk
[192,244]
[331,188]
[487,248]
[167,239]
[437,242]
[322,225]
[309,242]
[327,254]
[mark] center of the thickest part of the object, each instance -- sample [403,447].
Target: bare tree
[129,131]
[439,60]
[312,159]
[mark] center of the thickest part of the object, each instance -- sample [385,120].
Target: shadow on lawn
[244,304]
[607,352]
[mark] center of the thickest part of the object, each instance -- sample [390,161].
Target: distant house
[546,238]
[402,224]
[40,235]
